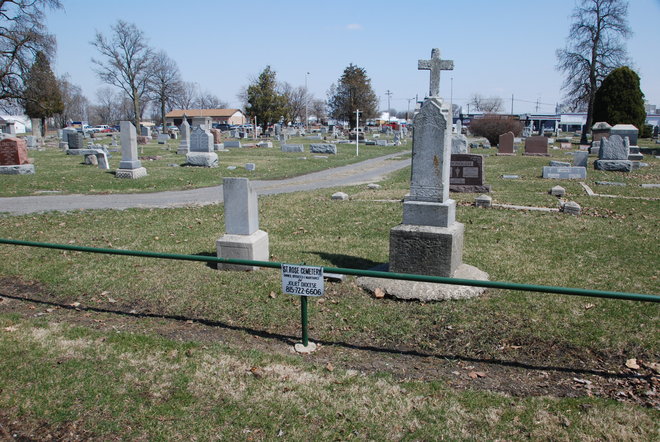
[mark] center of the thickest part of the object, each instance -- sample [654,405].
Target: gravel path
[367,171]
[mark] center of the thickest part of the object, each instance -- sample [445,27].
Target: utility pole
[389,94]
[306,105]
[408,111]
[357,132]
[537,105]
[511,104]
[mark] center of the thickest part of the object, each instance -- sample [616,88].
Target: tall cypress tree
[42,97]
[619,99]
[352,92]
[263,100]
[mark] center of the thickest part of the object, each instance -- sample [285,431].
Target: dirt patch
[518,370]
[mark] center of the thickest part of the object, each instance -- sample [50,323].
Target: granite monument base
[426,250]
[254,247]
[18,169]
[131,173]
[613,165]
[424,213]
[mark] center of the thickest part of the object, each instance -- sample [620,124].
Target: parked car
[223,126]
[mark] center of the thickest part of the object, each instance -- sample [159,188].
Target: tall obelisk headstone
[184,145]
[129,166]
[429,241]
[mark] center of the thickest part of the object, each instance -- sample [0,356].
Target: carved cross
[435,65]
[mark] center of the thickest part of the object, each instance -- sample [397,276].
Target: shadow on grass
[346,261]
[210,265]
[291,340]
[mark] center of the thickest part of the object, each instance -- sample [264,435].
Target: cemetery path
[372,170]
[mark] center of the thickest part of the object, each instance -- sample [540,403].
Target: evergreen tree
[42,97]
[352,92]
[263,100]
[619,100]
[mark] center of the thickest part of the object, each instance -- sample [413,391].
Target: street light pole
[389,117]
[357,132]
[306,105]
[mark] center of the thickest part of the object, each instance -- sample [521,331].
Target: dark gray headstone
[467,174]
[323,148]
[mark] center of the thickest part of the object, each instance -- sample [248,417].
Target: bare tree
[593,49]
[22,36]
[489,105]
[128,63]
[319,110]
[76,105]
[165,83]
[298,101]
[108,107]
[207,100]
[186,95]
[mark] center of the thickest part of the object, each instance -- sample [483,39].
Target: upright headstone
[580,158]
[36,127]
[163,138]
[613,155]
[292,148]
[459,127]
[467,174]
[76,140]
[626,130]
[429,241]
[10,128]
[145,131]
[459,144]
[201,149]
[130,166]
[243,239]
[184,145]
[323,148]
[31,142]
[14,157]
[505,145]
[600,130]
[217,136]
[536,145]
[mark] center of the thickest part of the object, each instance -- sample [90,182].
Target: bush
[491,126]
[619,100]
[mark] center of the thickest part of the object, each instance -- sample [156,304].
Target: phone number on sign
[304,291]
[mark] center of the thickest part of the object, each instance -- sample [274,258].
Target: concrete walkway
[363,172]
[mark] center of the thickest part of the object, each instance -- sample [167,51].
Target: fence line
[346,271]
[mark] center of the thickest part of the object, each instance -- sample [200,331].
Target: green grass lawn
[67,174]
[210,357]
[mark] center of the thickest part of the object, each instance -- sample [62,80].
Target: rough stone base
[536,154]
[426,250]
[466,188]
[613,165]
[131,173]
[202,159]
[182,151]
[427,291]
[505,154]
[18,169]
[254,247]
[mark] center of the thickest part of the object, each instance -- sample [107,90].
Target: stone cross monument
[429,241]
[435,65]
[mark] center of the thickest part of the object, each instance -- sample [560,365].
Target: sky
[503,48]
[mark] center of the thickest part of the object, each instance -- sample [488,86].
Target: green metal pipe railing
[345,271]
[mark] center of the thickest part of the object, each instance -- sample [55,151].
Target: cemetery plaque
[467,174]
[564,173]
[302,280]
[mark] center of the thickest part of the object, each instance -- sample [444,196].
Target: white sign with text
[302,280]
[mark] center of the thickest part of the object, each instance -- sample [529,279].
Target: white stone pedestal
[254,247]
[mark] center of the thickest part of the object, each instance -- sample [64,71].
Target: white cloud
[354,27]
